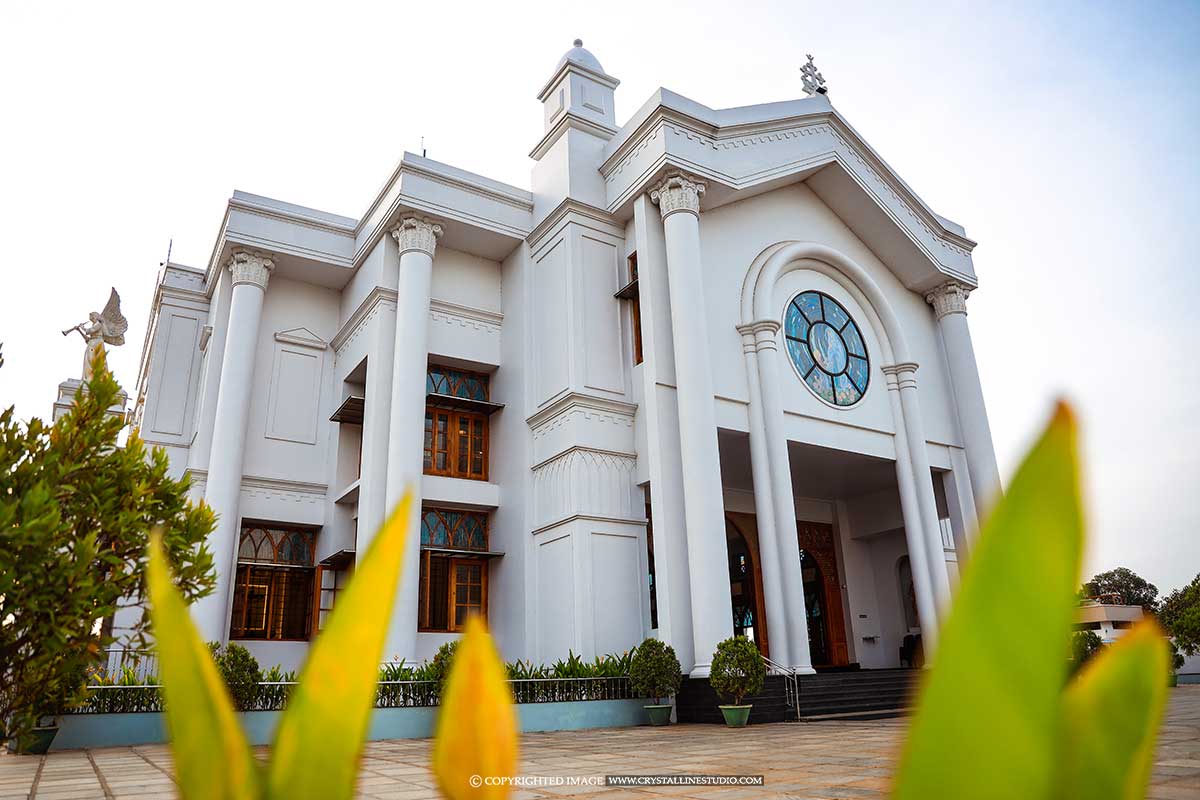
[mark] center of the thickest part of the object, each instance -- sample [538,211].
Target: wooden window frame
[244,571]
[454,418]
[427,556]
[635,310]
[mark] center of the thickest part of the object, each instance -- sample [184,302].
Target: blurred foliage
[1180,615]
[76,509]
[998,716]
[477,724]
[1084,645]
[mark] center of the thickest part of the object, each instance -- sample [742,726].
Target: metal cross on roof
[814,82]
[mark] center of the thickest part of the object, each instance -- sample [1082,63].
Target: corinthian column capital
[248,266]
[417,233]
[677,192]
[949,298]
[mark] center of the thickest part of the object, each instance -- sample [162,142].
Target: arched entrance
[822,595]
[745,586]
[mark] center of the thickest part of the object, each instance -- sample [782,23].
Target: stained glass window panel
[826,347]
[810,304]
[795,325]
[835,315]
[854,342]
[846,392]
[822,384]
[800,355]
[857,370]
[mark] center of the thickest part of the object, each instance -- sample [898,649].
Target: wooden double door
[822,589]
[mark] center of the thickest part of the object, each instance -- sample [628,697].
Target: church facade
[711,375]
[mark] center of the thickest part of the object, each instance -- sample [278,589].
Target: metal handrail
[791,683]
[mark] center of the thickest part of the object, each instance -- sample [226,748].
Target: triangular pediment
[302,337]
[743,152]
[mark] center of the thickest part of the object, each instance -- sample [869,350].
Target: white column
[782,497]
[417,239]
[950,304]
[914,531]
[251,271]
[678,198]
[764,505]
[914,428]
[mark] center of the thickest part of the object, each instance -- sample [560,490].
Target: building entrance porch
[859,599]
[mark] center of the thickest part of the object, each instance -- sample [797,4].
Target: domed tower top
[580,56]
[580,89]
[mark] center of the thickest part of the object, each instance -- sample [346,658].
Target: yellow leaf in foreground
[1113,710]
[320,738]
[477,723]
[212,757]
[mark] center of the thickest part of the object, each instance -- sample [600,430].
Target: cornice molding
[602,78]
[604,222]
[569,119]
[481,315]
[575,400]
[376,297]
[262,482]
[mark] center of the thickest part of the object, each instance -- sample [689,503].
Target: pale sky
[1063,136]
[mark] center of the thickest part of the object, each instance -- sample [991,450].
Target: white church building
[711,374]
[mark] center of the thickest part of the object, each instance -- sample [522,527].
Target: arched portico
[768,441]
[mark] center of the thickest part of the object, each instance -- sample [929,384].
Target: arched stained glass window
[826,348]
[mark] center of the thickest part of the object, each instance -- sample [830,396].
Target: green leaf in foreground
[212,757]
[987,724]
[1111,715]
[320,737]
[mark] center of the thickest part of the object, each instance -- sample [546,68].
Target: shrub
[442,660]
[737,669]
[240,672]
[76,512]
[654,669]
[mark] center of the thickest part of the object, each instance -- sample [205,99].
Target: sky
[1062,135]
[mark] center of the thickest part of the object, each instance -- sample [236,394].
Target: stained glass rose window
[827,348]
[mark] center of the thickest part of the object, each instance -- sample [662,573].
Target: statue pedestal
[66,398]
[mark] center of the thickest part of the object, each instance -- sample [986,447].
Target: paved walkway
[811,760]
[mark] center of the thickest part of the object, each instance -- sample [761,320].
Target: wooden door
[816,539]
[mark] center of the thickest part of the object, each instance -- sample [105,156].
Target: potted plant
[737,670]
[654,673]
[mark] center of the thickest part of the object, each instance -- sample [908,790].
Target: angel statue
[106,327]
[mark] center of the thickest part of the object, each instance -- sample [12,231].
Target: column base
[804,670]
[701,671]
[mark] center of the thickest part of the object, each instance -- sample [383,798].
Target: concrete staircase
[851,694]
[874,693]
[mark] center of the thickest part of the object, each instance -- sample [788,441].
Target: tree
[1084,645]
[76,511]
[1133,588]
[1180,615]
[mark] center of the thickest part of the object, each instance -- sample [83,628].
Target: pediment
[302,337]
[748,151]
